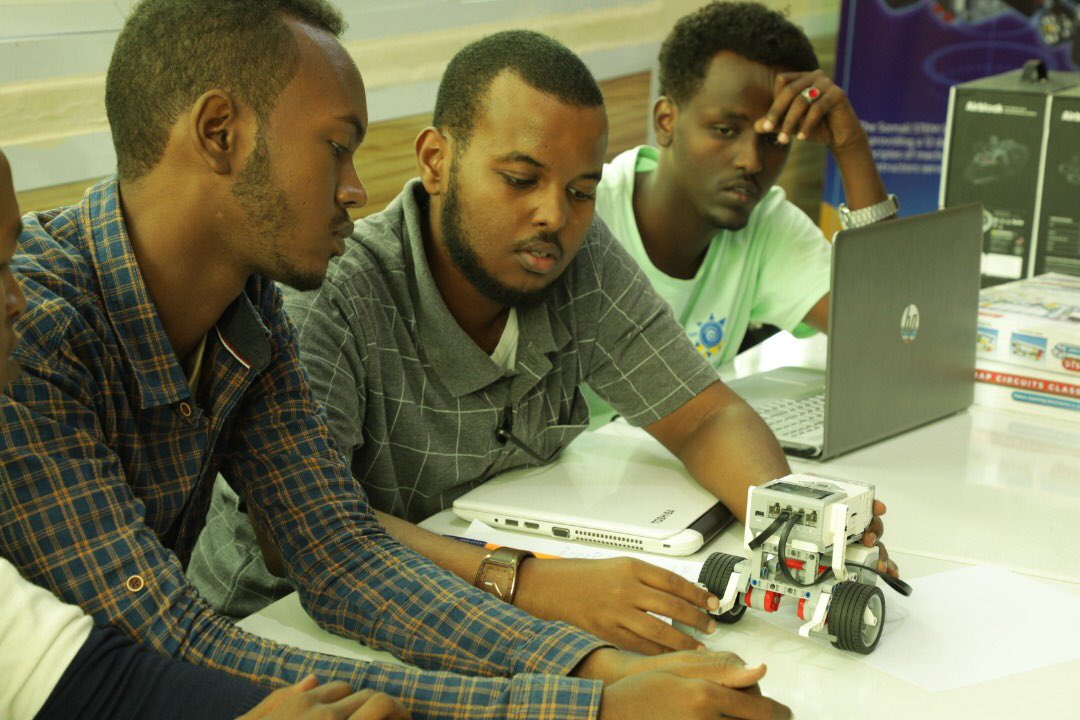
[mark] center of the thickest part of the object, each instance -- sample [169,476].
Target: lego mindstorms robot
[804,536]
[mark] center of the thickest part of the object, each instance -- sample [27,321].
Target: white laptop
[609,489]
[903,314]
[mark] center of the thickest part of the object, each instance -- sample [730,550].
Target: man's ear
[663,115]
[433,158]
[214,129]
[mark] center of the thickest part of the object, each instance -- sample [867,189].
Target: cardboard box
[1028,351]
[995,146]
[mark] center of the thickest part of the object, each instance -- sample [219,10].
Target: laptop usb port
[560,532]
[532,526]
[511,523]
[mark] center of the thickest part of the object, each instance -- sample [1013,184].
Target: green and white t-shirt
[772,271]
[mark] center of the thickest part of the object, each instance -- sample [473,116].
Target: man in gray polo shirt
[481,299]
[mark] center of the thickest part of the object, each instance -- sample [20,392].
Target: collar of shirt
[458,361]
[159,377]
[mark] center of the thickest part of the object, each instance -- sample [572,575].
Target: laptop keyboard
[801,421]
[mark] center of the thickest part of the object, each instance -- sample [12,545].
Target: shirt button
[185,409]
[135,583]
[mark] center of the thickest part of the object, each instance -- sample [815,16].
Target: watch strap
[869,215]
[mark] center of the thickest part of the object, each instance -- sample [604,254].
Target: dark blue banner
[897,59]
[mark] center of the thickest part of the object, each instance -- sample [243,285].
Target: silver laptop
[607,489]
[901,347]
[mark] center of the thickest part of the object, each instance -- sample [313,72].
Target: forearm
[426,694]
[533,591]
[443,695]
[448,696]
[732,450]
[456,697]
[858,173]
[451,555]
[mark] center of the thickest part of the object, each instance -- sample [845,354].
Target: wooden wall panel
[387,160]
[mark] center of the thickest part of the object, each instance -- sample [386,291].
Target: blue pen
[478,543]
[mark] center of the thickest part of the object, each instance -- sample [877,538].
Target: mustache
[342,226]
[532,241]
[748,180]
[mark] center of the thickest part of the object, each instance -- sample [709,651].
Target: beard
[468,262]
[266,207]
[719,222]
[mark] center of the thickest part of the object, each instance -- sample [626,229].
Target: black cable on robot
[768,532]
[792,521]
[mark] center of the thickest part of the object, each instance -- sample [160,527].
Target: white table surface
[812,677]
[983,486]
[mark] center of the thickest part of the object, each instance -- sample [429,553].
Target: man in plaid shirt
[58,664]
[155,354]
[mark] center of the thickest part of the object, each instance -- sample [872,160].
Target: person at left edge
[56,663]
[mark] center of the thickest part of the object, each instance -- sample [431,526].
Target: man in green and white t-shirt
[701,214]
[772,271]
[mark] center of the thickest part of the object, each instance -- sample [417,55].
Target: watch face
[498,573]
[500,579]
[493,587]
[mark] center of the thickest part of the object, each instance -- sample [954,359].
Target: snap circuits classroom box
[1028,346]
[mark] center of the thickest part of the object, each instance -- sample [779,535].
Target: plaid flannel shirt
[108,462]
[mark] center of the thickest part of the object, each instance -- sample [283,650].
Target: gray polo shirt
[414,403]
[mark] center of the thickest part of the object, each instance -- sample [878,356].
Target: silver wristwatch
[868,215]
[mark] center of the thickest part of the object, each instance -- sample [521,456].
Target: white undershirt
[193,366]
[505,353]
[39,637]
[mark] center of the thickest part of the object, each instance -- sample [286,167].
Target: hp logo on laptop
[909,324]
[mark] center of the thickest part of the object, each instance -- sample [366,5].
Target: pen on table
[493,546]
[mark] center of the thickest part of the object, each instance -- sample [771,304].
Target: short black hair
[542,62]
[748,29]
[172,51]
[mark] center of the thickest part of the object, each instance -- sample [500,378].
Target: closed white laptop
[608,489]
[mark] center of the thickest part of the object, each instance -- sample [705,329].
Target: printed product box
[1057,246]
[1032,391]
[994,155]
[1028,346]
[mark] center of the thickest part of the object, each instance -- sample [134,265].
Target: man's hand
[872,537]
[829,119]
[307,700]
[691,684]
[612,600]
